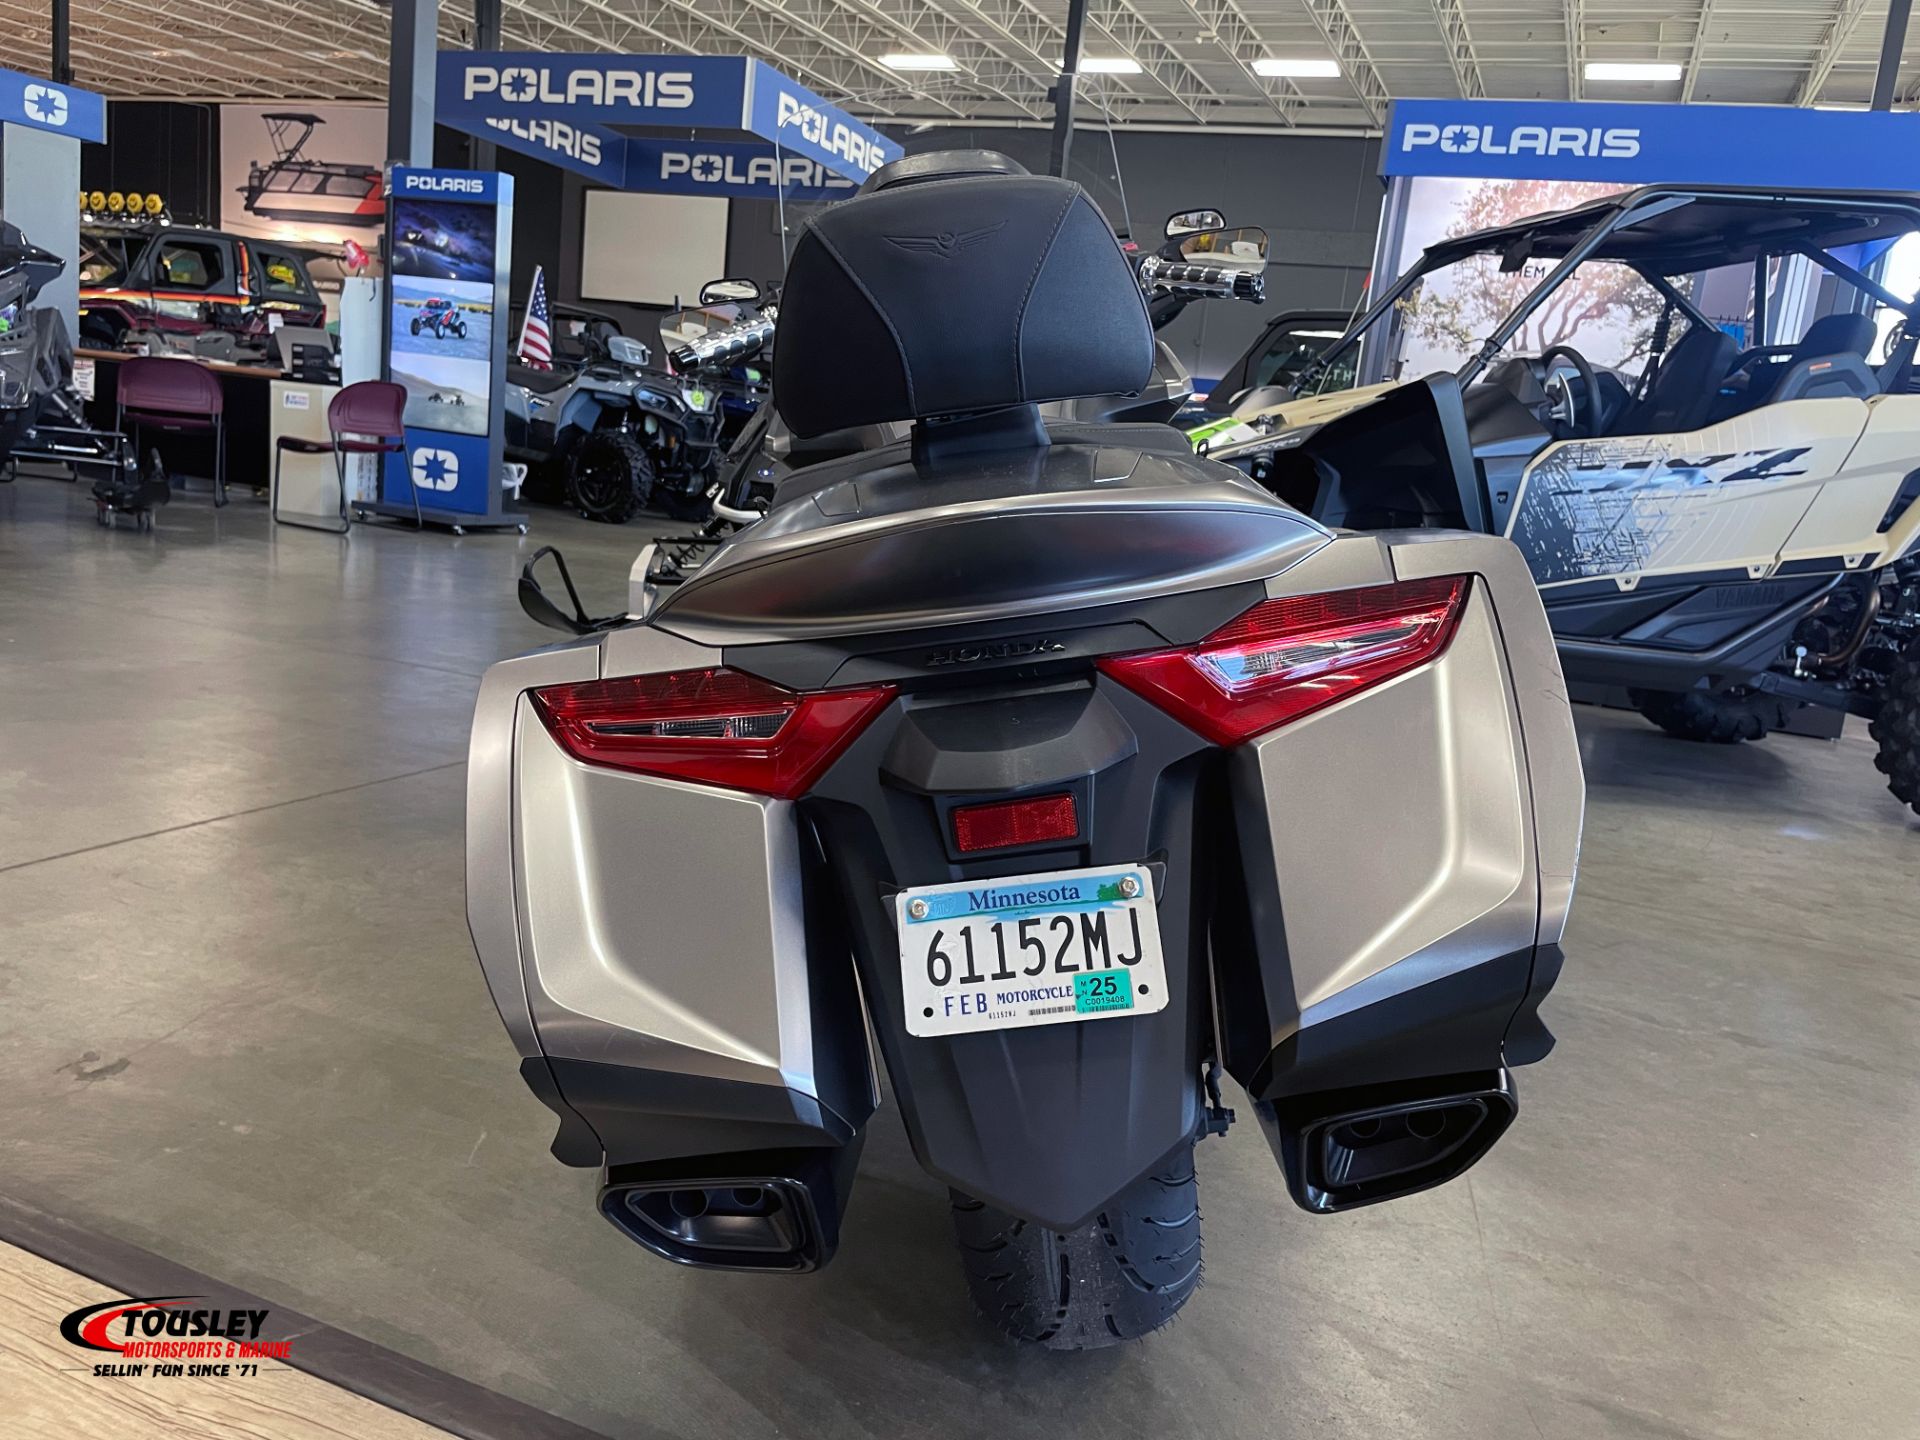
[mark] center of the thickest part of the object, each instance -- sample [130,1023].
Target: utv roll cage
[1662,230]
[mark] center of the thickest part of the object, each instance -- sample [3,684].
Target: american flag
[536,334]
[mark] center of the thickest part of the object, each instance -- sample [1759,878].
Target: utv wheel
[1896,729]
[610,478]
[414,324]
[1721,717]
[1122,1275]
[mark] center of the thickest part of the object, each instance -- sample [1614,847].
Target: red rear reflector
[711,727]
[1015,822]
[1287,658]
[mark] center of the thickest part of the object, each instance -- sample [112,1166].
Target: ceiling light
[1282,68]
[1632,70]
[1108,65]
[919,62]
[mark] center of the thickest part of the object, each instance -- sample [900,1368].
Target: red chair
[178,397]
[366,418]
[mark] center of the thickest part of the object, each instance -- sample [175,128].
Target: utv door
[190,280]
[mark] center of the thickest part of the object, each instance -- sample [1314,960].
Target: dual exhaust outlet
[779,1211]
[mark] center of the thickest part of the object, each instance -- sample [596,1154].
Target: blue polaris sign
[741,168]
[591,89]
[43,105]
[473,187]
[1637,144]
[792,116]
[574,110]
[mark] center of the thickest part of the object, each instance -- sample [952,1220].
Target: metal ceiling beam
[1839,31]
[1693,55]
[1335,24]
[1893,45]
[923,26]
[1136,39]
[1223,22]
[1576,20]
[1451,16]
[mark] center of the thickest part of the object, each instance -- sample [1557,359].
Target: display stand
[448,254]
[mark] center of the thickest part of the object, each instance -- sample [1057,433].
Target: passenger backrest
[952,296]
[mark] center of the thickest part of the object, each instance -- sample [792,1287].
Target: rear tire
[1896,729]
[1123,1274]
[609,477]
[1721,717]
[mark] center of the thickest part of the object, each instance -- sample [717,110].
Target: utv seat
[1831,359]
[1685,387]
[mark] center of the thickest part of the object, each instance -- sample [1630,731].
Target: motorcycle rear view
[1065,767]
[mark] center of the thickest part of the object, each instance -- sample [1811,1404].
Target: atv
[442,318]
[1717,493]
[626,435]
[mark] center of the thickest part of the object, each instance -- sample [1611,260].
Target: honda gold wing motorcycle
[1054,767]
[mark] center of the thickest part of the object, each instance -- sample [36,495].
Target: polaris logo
[604,89]
[435,470]
[993,650]
[833,136]
[1593,143]
[554,135]
[706,168]
[45,104]
[444,184]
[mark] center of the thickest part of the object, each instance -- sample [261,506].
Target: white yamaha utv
[1729,532]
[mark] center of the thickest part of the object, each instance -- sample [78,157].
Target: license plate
[1048,949]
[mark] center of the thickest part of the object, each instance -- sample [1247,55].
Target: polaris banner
[793,117]
[1642,144]
[63,109]
[737,168]
[573,110]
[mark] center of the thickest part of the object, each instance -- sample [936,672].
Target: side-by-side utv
[1718,491]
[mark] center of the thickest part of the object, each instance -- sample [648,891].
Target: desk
[249,446]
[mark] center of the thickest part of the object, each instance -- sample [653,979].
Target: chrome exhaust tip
[1344,1149]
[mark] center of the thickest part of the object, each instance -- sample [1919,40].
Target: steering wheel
[1566,407]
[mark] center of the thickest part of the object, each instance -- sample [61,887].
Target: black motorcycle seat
[541,382]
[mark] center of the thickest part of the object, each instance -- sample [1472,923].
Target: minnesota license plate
[1046,949]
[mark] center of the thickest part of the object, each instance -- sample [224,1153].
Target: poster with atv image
[442,347]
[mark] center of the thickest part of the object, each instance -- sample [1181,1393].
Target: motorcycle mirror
[1244,248]
[735,288]
[1185,222]
[539,607]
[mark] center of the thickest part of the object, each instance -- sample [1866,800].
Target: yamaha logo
[993,650]
[1591,143]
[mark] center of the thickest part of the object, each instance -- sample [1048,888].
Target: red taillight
[1015,822]
[711,727]
[1286,658]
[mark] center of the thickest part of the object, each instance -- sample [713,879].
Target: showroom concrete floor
[241,1026]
